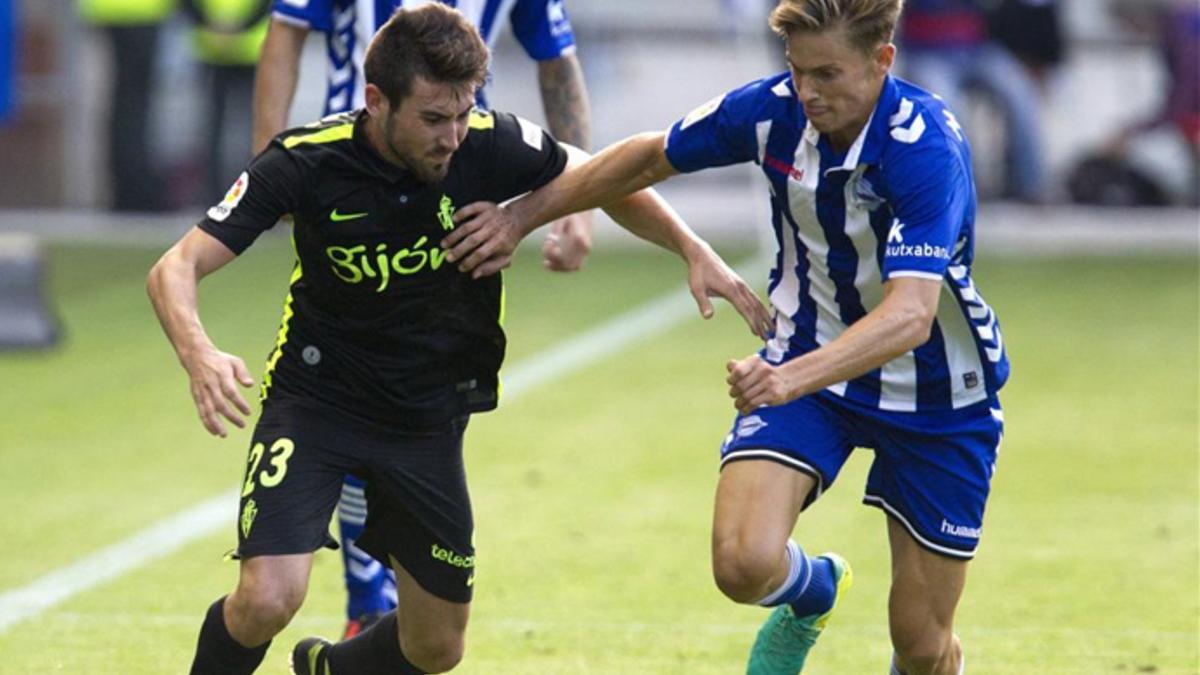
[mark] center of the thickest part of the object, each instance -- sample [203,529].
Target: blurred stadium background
[593,482]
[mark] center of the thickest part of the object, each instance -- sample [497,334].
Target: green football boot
[785,639]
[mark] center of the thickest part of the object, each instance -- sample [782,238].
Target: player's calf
[219,653]
[433,653]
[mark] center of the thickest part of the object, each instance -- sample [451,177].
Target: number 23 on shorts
[269,477]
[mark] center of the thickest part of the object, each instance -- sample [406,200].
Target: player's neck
[377,139]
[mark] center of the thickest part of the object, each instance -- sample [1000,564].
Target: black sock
[375,651]
[217,653]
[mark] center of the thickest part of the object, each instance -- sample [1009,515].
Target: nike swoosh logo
[339,217]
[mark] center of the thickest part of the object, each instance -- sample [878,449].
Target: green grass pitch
[593,493]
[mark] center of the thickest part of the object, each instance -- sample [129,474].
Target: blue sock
[369,586]
[818,597]
[809,587]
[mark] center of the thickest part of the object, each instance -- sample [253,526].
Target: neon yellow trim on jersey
[499,376]
[337,133]
[480,119]
[284,323]
[503,303]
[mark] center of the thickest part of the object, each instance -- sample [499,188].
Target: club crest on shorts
[249,511]
[749,426]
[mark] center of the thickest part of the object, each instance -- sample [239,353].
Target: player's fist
[568,243]
[754,383]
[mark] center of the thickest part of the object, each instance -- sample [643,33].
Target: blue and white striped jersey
[541,26]
[899,202]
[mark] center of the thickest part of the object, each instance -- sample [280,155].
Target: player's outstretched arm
[488,235]
[214,374]
[899,324]
[275,80]
[484,237]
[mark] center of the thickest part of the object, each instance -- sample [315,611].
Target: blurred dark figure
[946,47]
[1032,31]
[8,61]
[131,28]
[227,39]
[1174,25]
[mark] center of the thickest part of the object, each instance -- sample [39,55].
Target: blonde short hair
[868,23]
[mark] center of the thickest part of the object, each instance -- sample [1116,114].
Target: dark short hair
[868,23]
[432,41]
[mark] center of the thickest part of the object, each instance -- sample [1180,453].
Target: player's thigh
[775,462]
[757,504]
[926,588]
[419,510]
[293,477]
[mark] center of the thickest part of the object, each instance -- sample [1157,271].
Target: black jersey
[377,323]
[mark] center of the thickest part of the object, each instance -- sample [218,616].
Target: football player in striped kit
[544,31]
[881,338]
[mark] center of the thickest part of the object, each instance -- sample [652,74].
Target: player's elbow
[154,279]
[161,272]
[915,324]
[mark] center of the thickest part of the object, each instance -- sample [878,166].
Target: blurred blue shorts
[932,470]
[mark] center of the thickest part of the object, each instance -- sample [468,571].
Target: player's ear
[885,56]
[377,103]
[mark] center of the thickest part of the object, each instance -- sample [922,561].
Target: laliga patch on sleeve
[530,133]
[221,211]
[702,111]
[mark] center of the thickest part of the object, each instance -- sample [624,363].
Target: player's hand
[569,242]
[215,377]
[754,383]
[709,277]
[483,240]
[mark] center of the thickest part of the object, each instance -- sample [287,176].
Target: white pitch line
[171,534]
[159,540]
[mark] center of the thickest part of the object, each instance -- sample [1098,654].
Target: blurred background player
[947,48]
[1175,26]
[131,30]
[226,39]
[8,49]
[543,29]
[1032,30]
[881,338]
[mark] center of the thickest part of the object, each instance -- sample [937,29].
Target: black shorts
[419,511]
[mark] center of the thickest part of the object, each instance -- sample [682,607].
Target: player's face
[837,83]
[428,125]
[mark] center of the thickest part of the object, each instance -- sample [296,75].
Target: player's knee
[743,571]
[269,606]
[433,653]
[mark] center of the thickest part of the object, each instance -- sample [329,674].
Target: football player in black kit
[385,347]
